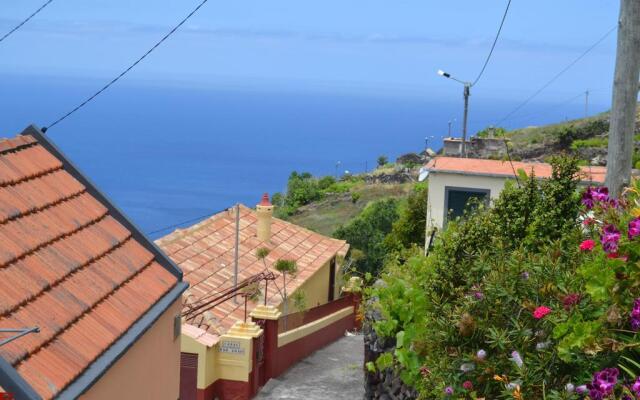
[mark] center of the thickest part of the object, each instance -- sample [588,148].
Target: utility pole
[236,251]
[467,90]
[625,98]
[450,122]
[586,104]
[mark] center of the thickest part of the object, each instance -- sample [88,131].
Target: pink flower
[587,245]
[467,385]
[541,312]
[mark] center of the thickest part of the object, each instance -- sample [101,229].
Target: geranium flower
[587,245]
[603,383]
[541,312]
[634,228]
[591,196]
[610,238]
[467,385]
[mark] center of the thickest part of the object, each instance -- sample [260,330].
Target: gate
[188,376]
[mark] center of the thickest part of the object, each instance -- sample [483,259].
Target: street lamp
[467,89]
[451,121]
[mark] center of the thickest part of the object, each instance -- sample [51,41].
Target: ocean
[168,153]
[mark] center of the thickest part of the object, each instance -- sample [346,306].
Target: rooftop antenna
[236,251]
[19,332]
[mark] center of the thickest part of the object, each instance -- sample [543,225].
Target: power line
[6,35]
[123,73]
[558,75]
[495,41]
[178,224]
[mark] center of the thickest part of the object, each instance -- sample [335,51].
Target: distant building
[217,348]
[105,300]
[476,147]
[454,181]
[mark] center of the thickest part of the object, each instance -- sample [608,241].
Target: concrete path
[334,372]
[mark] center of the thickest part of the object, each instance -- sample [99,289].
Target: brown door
[188,376]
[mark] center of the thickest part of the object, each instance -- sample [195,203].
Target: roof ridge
[44,344]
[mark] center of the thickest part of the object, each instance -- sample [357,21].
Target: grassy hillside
[326,215]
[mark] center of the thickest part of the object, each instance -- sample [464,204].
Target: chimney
[265,213]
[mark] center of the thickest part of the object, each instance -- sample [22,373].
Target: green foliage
[286,266]
[355,196]
[382,161]
[366,232]
[496,131]
[409,229]
[597,142]
[299,299]
[262,253]
[480,288]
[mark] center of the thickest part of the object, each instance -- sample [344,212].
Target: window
[456,200]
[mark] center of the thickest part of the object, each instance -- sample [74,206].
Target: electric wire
[42,7]
[178,224]
[495,41]
[557,76]
[129,68]
[537,92]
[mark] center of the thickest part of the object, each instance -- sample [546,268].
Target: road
[334,372]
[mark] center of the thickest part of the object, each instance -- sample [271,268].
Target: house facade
[97,303]
[453,182]
[226,357]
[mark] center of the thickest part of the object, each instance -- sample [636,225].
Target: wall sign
[230,347]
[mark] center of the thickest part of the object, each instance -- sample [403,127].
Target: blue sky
[370,46]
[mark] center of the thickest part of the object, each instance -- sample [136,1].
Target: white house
[454,181]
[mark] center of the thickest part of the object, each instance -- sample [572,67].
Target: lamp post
[337,166]
[451,121]
[467,90]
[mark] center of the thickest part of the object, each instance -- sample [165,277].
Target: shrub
[366,232]
[409,229]
[382,161]
[521,300]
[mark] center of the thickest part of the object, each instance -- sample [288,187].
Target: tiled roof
[67,266]
[205,253]
[476,166]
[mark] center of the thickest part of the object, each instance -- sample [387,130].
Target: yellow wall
[207,373]
[150,369]
[306,330]
[316,288]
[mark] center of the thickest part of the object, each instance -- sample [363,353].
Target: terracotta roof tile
[503,168]
[207,261]
[66,266]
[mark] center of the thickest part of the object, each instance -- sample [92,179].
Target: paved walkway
[334,372]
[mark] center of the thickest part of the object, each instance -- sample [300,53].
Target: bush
[382,161]
[597,142]
[366,232]
[410,227]
[520,300]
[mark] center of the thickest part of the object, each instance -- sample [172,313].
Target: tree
[409,229]
[285,267]
[382,161]
[366,232]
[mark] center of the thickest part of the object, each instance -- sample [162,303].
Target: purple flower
[591,196]
[448,390]
[481,354]
[603,383]
[610,238]
[634,228]
[636,386]
[515,357]
[525,275]
[634,316]
[582,389]
[478,295]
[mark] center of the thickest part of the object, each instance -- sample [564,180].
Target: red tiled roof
[67,266]
[205,253]
[477,166]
